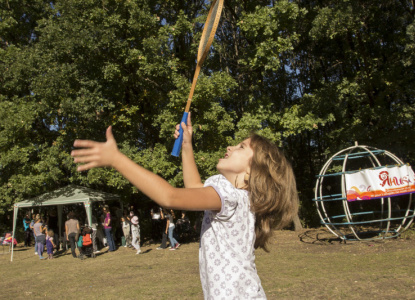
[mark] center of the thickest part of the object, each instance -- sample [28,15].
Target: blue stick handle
[178,143]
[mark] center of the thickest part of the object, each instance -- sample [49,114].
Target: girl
[170,224]
[39,231]
[135,229]
[50,245]
[108,229]
[254,192]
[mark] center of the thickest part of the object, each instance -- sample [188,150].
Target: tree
[313,76]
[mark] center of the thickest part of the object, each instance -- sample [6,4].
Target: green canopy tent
[70,194]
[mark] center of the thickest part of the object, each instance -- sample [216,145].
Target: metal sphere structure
[373,219]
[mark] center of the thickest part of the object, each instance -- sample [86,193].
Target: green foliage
[270,34]
[313,77]
[409,59]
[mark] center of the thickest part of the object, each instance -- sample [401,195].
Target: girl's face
[237,160]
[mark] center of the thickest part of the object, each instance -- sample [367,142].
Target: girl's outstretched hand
[95,154]
[187,131]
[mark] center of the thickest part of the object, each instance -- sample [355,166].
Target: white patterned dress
[226,252]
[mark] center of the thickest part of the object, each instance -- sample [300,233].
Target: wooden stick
[189,100]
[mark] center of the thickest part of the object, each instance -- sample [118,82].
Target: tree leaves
[311,76]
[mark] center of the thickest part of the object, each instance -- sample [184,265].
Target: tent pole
[88,210]
[60,223]
[15,210]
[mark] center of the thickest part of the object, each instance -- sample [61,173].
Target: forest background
[312,76]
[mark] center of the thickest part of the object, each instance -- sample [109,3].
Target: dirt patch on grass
[311,264]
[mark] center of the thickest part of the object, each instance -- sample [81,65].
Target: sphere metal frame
[346,226]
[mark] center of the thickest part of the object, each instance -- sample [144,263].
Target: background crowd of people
[110,228]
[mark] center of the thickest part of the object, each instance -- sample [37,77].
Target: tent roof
[67,195]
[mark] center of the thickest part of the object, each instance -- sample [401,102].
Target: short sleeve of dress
[228,195]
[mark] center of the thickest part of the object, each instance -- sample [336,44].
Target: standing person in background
[135,228]
[108,229]
[132,213]
[183,228]
[165,229]
[39,231]
[27,230]
[117,232]
[32,224]
[174,244]
[155,224]
[94,226]
[126,215]
[126,229]
[72,232]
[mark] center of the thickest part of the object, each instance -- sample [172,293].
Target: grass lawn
[301,265]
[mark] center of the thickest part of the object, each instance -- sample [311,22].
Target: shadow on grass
[15,249]
[320,237]
[61,253]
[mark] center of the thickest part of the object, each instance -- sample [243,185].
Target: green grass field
[301,265]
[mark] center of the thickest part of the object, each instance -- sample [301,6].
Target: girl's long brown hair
[273,190]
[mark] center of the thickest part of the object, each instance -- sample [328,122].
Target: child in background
[126,229]
[135,228]
[254,193]
[50,245]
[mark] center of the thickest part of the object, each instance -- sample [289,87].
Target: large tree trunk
[297,223]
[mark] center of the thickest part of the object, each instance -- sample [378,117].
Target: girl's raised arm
[95,154]
[191,176]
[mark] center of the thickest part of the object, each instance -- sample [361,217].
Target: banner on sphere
[380,183]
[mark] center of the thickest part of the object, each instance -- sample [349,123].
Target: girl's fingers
[86,167]
[189,121]
[109,134]
[85,159]
[84,143]
[82,152]
[187,129]
[176,132]
[184,126]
